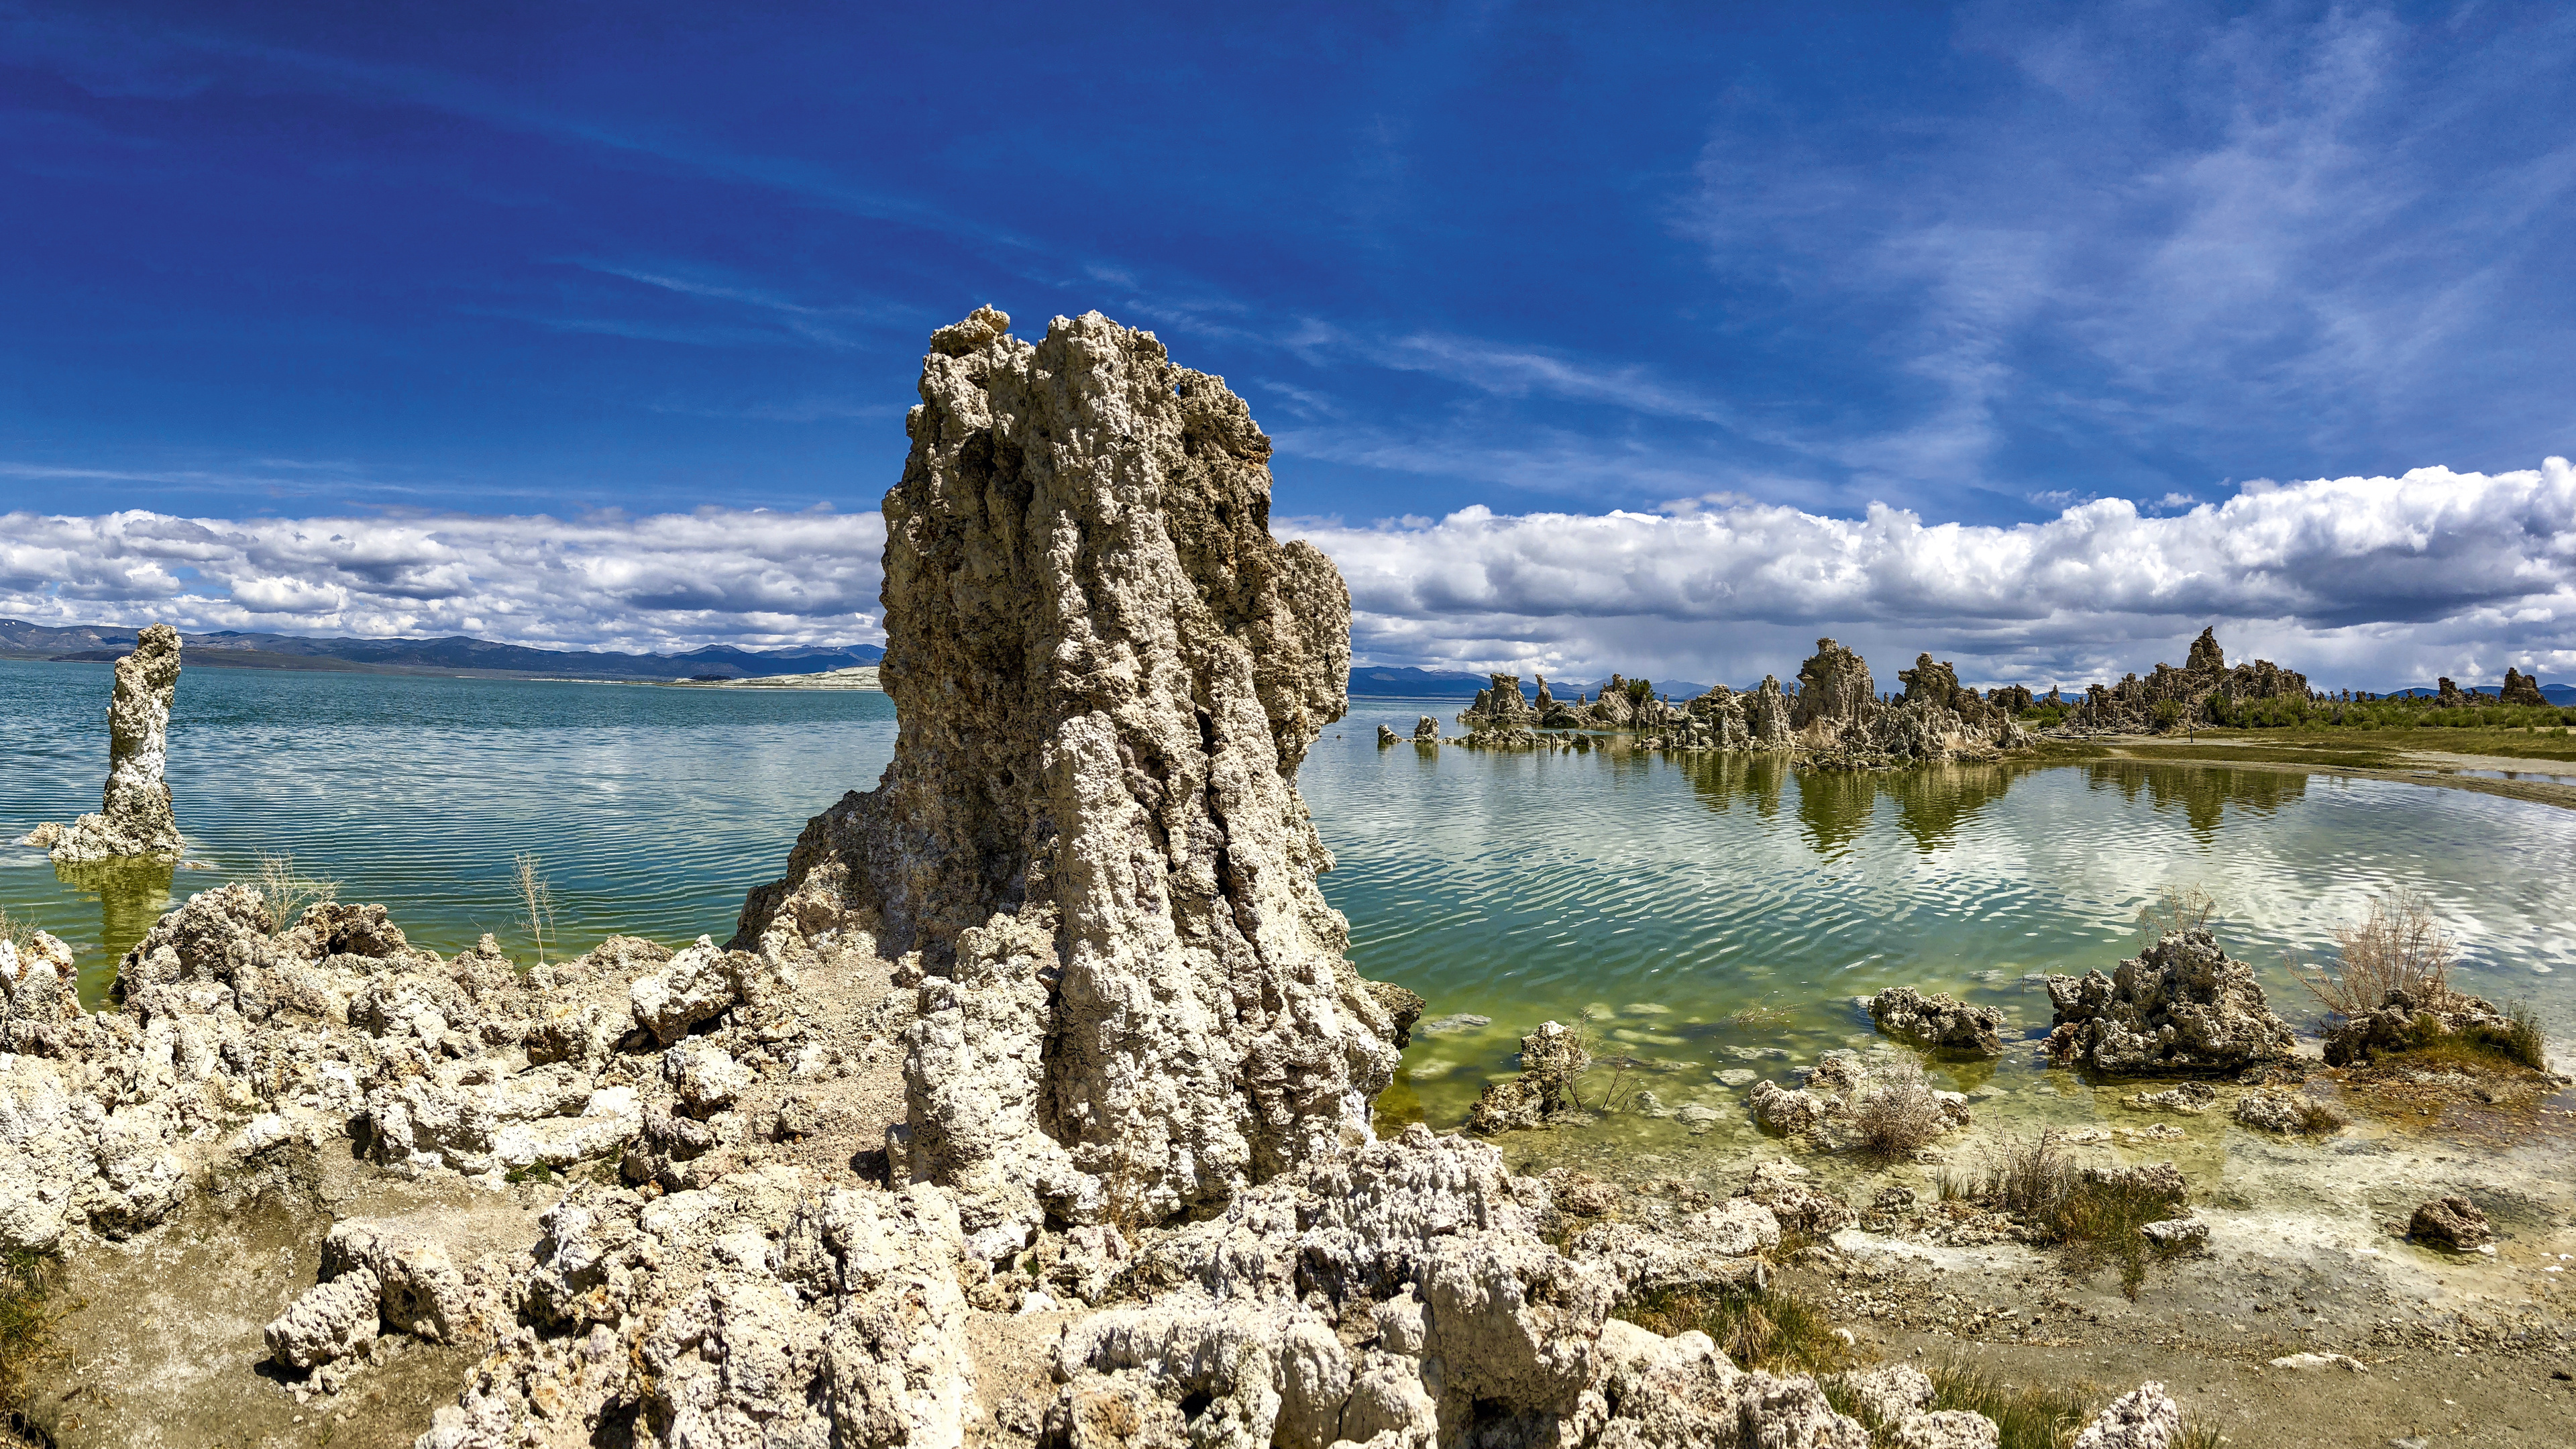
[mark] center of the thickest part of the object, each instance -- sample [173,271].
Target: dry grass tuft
[287,892]
[2178,908]
[1759,1328]
[2093,1219]
[1894,1110]
[2043,1416]
[536,899]
[19,933]
[2397,946]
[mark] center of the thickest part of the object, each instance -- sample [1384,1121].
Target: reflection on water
[2201,791]
[652,809]
[1718,933]
[130,895]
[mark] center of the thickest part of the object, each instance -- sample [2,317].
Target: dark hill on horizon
[456,654]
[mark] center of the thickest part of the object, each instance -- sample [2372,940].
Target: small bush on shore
[1894,1110]
[2522,1041]
[2396,946]
[286,891]
[1758,1328]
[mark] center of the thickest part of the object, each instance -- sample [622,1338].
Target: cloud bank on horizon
[747,577]
[2366,582]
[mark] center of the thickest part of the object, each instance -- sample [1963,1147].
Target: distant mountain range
[455,655]
[2561,694]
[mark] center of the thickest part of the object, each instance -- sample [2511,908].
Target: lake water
[1711,915]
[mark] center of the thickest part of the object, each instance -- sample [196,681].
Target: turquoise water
[1710,914]
[652,809]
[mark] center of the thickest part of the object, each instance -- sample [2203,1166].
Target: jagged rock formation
[1426,731]
[242,1053]
[2179,1007]
[2520,688]
[1105,673]
[2447,695]
[1552,1057]
[1499,706]
[2170,697]
[134,817]
[1834,687]
[1403,1295]
[1940,1021]
[466,1065]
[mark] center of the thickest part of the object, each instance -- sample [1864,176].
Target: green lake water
[1665,897]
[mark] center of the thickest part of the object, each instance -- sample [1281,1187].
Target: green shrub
[2043,1416]
[2092,1218]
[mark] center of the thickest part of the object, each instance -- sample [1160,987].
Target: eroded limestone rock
[2182,1005]
[1552,1058]
[330,1321]
[1939,1021]
[2146,1417]
[1105,671]
[134,817]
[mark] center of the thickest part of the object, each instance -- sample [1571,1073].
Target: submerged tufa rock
[134,816]
[1941,1021]
[1105,672]
[2182,1005]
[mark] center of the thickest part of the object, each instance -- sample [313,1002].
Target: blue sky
[1983,263]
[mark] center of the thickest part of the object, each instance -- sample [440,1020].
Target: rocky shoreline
[1035,1102]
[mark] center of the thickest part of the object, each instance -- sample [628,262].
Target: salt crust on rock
[2146,1417]
[1105,672]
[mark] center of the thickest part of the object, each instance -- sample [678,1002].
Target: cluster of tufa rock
[1845,1093]
[2169,697]
[1136,1072]
[1833,719]
[2180,1007]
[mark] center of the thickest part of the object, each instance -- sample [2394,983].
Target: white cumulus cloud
[753,578]
[2371,582]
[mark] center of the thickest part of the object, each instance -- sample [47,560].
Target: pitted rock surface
[1940,1021]
[2181,1006]
[1105,672]
[134,816]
